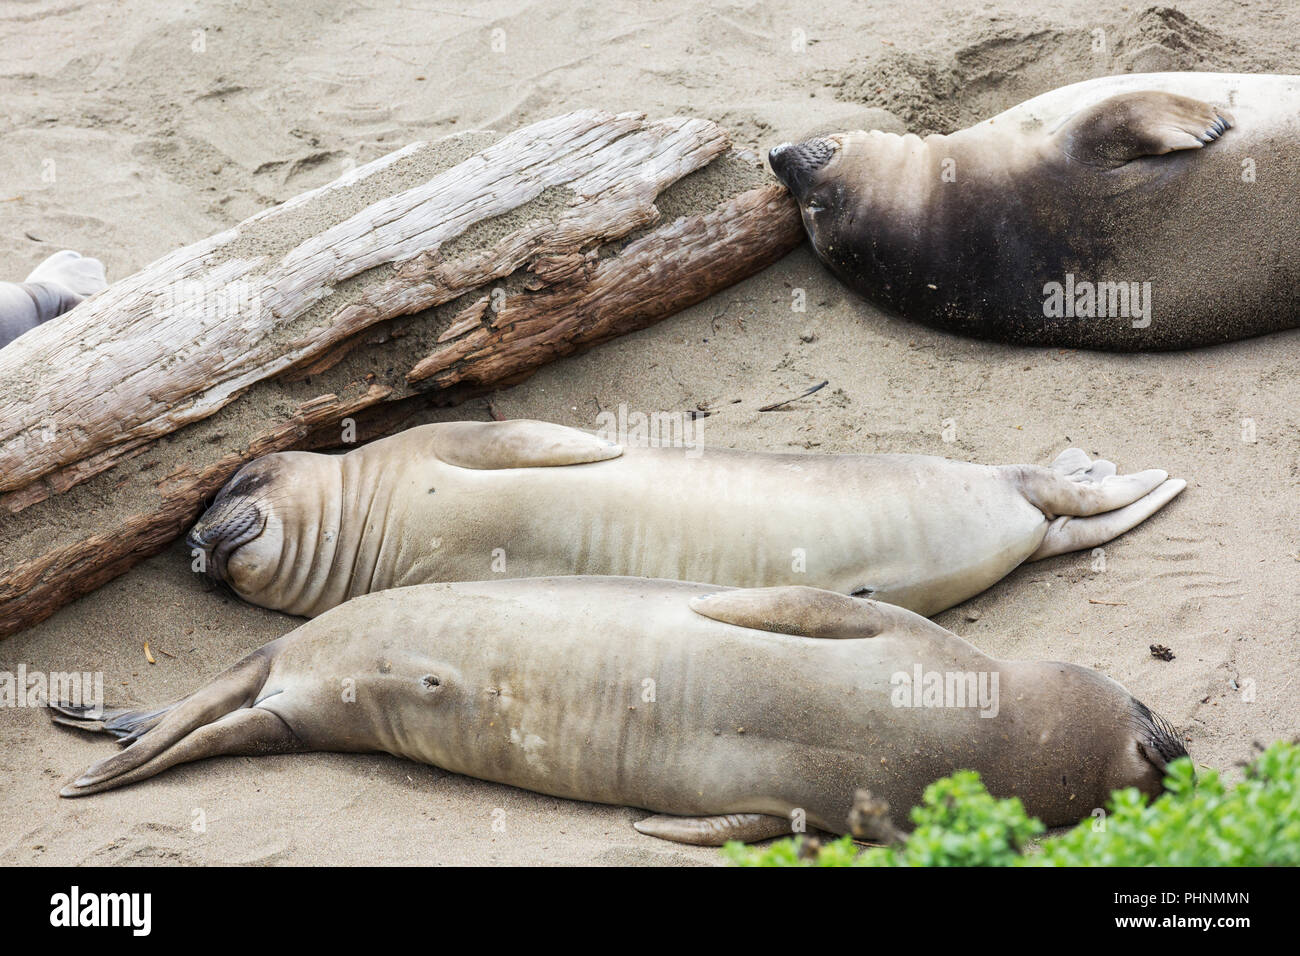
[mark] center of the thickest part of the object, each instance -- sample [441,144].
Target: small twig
[775,405]
[1108,603]
[869,821]
[809,848]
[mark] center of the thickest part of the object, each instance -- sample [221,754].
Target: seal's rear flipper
[216,720]
[1076,485]
[249,731]
[1068,533]
[80,274]
[518,444]
[714,831]
[1126,127]
[125,725]
[798,610]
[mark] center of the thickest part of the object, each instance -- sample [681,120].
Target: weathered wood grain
[435,273]
[179,339]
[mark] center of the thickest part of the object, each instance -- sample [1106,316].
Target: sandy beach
[133,130]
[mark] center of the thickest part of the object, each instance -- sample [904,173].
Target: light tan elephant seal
[458,501]
[1144,211]
[736,713]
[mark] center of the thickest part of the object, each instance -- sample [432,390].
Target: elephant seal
[1145,211]
[459,501]
[54,286]
[732,712]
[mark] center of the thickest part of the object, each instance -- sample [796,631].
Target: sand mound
[938,90]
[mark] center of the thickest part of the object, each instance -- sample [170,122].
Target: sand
[129,132]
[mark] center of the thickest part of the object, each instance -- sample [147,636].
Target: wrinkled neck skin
[287,565]
[904,194]
[331,532]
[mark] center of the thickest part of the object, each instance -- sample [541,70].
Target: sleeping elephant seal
[1146,211]
[54,287]
[463,501]
[733,712]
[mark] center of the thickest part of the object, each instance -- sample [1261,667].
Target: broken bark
[438,272]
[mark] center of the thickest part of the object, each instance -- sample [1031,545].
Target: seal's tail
[218,719]
[1088,503]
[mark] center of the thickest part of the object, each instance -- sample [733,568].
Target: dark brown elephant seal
[1146,211]
[732,713]
[462,501]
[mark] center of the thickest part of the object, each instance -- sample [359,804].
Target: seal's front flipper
[715,831]
[125,725]
[518,444]
[1068,533]
[798,610]
[1128,126]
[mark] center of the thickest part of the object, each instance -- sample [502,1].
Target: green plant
[795,852]
[1196,822]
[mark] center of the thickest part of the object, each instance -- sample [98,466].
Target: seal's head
[267,528]
[237,517]
[1090,737]
[1157,744]
[814,171]
[800,166]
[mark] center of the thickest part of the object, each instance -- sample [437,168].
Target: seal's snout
[234,519]
[795,164]
[1158,741]
[1159,735]
[782,160]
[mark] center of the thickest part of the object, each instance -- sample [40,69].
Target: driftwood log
[435,273]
